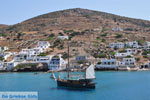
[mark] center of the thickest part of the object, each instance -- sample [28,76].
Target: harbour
[109,84]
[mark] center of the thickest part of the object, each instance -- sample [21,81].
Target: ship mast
[68,61]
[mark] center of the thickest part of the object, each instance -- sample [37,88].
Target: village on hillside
[121,56]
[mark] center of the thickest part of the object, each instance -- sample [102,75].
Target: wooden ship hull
[81,84]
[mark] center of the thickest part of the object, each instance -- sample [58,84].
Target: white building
[117,29]
[133,44]
[57,63]
[147,65]
[131,51]
[30,54]
[2,65]
[19,57]
[37,50]
[43,45]
[147,45]
[7,55]
[10,65]
[121,55]
[107,63]
[117,45]
[127,62]
[63,37]
[43,59]
[54,63]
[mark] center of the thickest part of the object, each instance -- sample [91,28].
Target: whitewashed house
[30,54]
[27,53]
[131,51]
[117,29]
[80,58]
[1,52]
[118,45]
[2,49]
[133,44]
[37,50]
[127,62]
[6,48]
[122,55]
[7,55]
[147,45]
[2,66]
[107,64]
[43,45]
[147,65]
[43,59]
[57,63]
[10,65]
[63,37]
[19,57]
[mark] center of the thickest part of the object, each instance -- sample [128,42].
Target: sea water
[109,86]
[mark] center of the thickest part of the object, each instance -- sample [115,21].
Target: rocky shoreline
[76,70]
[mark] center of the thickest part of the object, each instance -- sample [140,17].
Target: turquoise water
[110,86]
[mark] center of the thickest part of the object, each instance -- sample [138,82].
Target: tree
[18,36]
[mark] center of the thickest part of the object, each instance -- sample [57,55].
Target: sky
[16,11]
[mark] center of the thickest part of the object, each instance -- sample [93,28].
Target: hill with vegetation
[89,31]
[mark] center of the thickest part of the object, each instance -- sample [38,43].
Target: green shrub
[104,35]
[81,62]
[43,25]
[61,34]
[137,59]
[18,36]
[118,35]
[68,31]
[99,63]
[65,55]
[104,29]
[145,56]
[1,58]
[129,56]
[103,40]
[61,47]
[122,51]
[145,52]
[42,54]
[57,42]
[50,37]
[3,34]
[98,38]
[112,53]
[100,55]
[140,42]
[25,65]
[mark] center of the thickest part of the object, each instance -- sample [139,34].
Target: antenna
[68,61]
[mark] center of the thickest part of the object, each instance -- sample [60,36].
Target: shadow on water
[71,89]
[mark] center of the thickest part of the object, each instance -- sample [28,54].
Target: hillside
[3,26]
[90,31]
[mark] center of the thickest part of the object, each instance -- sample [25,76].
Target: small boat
[53,76]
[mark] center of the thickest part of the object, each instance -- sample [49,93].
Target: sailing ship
[85,82]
